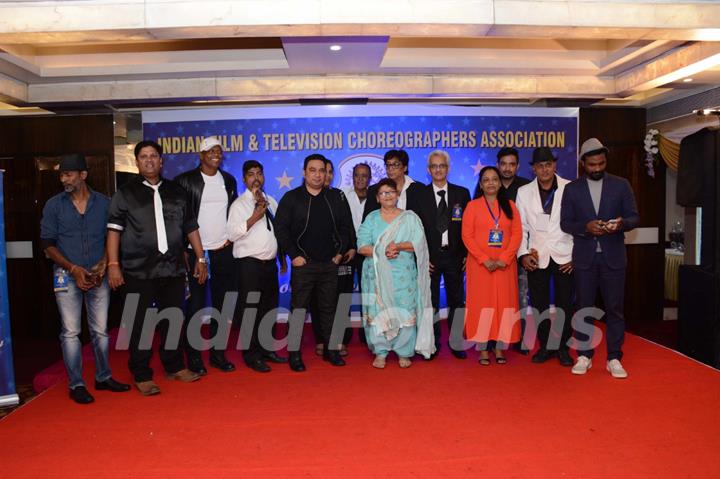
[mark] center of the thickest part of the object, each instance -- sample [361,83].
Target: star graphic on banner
[476,168]
[284,180]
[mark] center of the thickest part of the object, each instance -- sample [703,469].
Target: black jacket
[193,184]
[426,209]
[371,203]
[292,217]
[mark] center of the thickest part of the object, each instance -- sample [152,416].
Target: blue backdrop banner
[8,397]
[281,137]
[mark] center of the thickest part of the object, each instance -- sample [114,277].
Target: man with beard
[597,209]
[210,192]
[72,231]
[250,228]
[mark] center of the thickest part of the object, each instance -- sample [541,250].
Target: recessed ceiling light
[687,80]
[335,48]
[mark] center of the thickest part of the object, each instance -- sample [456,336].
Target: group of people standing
[399,238]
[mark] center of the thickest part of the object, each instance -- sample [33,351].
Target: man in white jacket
[546,254]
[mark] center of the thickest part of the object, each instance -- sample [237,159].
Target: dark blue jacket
[616,199]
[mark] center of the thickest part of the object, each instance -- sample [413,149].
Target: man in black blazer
[440,206]
[396,167]
[597,209]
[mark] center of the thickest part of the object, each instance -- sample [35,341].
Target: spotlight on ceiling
[335,48]
[687,80]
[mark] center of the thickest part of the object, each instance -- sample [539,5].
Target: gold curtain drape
[669,151]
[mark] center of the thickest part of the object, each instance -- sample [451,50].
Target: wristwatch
[202,260]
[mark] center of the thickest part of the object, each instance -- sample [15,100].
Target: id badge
[457,213]
[543,223]
[60,280]
[495,238]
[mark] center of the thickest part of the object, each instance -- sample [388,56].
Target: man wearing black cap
[149,222]
[73,236]
[546,254]
[314,227]
[597,209]
[211,191]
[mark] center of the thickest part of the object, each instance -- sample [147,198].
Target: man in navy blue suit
[597,209]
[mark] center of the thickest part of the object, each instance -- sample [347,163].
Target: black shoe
[296,362]
[520,348]
[274,358]
[333,357]
[111,385]
[458,354]
[220,362]
[543,355]
[197,366]
[564,357]
[81,395]
[259,365]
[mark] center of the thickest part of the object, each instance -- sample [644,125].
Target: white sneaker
[582,365]
[615,368]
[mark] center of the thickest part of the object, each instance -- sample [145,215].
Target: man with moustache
[250,228]
[508,161]
[149,221]
[396,168]
[72,232]
[210,191]
[546,254]
[357,196]
[314,228]
[440,206]
[597,209]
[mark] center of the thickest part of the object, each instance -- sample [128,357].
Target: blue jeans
[97,301]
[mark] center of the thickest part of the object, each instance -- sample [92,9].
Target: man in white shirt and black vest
[210,192]
[250,228]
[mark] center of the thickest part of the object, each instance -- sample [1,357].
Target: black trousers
[449,267]
[612,286]
[314,282]
[539,287]
[257,276]
[345,284]
[223,279]
[160,293]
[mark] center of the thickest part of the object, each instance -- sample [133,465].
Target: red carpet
[446,418]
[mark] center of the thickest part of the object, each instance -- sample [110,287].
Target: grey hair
[441,153]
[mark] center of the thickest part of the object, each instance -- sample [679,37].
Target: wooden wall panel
[23,140]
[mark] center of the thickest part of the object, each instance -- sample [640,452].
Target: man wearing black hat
[73,237]
[546,254]
[211,191]
[314,227]
[597,209]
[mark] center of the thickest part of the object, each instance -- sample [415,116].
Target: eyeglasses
[385,194]
[393,166]
[438,167]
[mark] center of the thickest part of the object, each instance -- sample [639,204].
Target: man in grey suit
[597,209]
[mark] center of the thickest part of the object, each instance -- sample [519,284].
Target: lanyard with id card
[457,213]
[495,237]
[60,280]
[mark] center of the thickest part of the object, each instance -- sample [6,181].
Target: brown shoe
[184,375]
[148,388]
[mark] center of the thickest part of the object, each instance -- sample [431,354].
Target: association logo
[345,179]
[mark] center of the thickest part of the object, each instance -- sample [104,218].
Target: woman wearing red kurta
[491,231]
